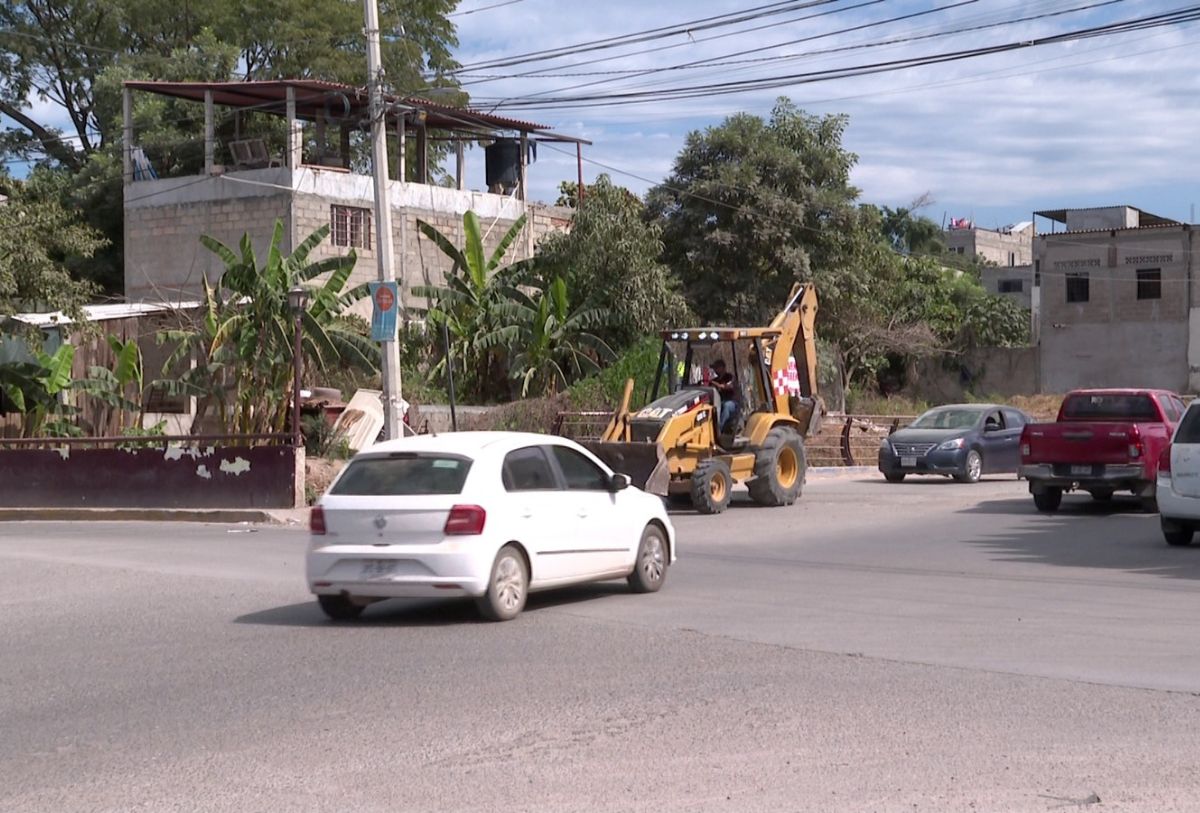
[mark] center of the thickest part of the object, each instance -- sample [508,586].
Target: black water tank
[503,161]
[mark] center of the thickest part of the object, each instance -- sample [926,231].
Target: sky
[1091,122]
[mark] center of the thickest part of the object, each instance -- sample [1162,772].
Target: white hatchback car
[492,515]
[1178,487]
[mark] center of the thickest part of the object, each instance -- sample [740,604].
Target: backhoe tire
[778,468]
[712,486]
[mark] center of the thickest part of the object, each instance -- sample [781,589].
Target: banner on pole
[384,296]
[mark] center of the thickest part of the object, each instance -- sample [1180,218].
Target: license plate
[908,462]
[378,568]
[1084,470]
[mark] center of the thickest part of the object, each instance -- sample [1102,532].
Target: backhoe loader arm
[797,323]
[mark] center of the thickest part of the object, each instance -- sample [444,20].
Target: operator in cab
[722,379]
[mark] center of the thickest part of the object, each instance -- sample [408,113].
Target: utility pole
[390,367]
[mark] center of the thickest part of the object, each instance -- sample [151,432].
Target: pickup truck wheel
[972,468]
[1048,500]
[1102,494]
[1177,534]
[1149,504]
[894,477]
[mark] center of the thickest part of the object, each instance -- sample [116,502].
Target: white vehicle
[492,515]
[1178,487]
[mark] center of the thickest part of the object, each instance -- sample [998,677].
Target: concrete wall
[1115,339]
[164,260]
[1022,274]
[1002,248]
[165,218]
[998,372]
[176,477]
[1107,217]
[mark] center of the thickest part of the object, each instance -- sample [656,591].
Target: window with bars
[1078,288]
[351,226]
[1149,283]
[1011,286]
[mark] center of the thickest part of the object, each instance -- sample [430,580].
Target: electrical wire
[1178,17]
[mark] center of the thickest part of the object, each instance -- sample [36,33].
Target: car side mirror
[619,482]
[991,427]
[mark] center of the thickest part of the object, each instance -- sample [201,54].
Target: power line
[677,29]
[1180,16]
[483,8]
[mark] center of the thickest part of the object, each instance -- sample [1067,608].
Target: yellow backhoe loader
[676,446]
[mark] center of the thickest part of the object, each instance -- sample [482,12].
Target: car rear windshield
[1189,427]
[403,474]
[1111,407]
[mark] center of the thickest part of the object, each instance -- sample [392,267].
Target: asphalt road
[928,646]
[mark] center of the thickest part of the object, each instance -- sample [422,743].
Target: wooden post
[579,166]
[524,152]
[127,134]
[209,134]
[294,141]
[460,165]
[422,151]
[320,136]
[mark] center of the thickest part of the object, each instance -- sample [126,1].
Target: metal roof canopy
[315,99]
[1145,218]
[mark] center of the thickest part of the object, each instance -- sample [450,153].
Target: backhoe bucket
[645,463]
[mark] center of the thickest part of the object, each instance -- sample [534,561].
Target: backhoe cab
[676,446]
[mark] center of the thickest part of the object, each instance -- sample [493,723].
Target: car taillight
[1164,461]
[316,520]
[1024,450]
[465,520]
[1136,449]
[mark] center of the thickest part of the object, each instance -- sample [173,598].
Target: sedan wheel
[972,468]
[651,566]
[507,588]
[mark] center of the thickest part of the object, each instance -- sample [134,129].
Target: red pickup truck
[1104,441]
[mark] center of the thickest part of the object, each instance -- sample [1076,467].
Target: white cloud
[1101,118]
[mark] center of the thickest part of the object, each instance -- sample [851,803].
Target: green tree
[469,304]
[911,233]
[243,344]
[610,260]
[753,205]
[40,244]
[550,344]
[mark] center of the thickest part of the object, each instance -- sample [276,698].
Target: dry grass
[318,474]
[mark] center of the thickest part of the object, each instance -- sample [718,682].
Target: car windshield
[947,418]
[1110,407]
[403,475]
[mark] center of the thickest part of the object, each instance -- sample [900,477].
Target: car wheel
[972,468]
[712,486]
[1177,534]
[650,568]
[508,586]
[340,607]
[1149,504]
[1102,495]
[894,476]
[778,468]
[1048,500]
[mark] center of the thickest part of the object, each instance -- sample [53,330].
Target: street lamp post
[297,299]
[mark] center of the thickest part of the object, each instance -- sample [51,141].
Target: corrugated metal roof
[316,97]
[104,313]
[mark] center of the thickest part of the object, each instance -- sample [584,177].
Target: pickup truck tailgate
[1098,442]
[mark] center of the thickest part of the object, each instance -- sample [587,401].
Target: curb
[220,516]
[824,472]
